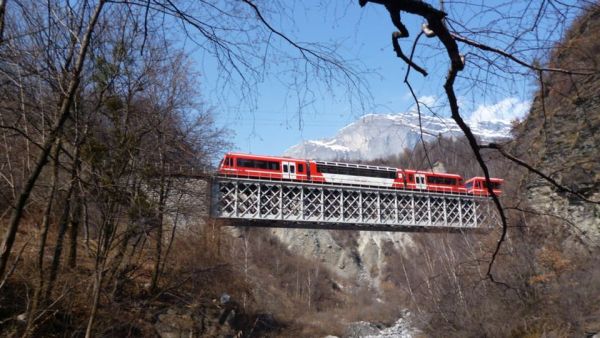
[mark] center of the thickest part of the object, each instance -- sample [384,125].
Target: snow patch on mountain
[377,136]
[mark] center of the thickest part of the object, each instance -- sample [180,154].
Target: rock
[176,324]
[400,329]
[265,322]
[362,329]
[361,258]
[439,167]
[22,317]
[320,245]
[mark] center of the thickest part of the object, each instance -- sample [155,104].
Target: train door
[288,170]
[420,181]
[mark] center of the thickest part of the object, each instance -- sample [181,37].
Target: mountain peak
[375,136]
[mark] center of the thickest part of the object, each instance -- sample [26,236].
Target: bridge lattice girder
[307,205]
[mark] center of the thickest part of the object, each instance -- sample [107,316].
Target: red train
[285,168]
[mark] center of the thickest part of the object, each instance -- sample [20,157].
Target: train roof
[355,165]
[492,179]
[265,157]
[412,171]
[339,164]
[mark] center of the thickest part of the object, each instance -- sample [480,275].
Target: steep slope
[359,256]
[562,134]
[377,136]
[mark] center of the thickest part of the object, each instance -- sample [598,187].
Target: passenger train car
[478,186]
[285,168]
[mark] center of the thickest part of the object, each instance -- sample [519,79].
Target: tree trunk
[162,199]
[157,262]
[2,16]
[62,230]
[35,301]
[95,302]
[76,217]
[75,221]
[116,271]
[171,239]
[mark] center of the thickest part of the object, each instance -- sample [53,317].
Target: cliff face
[361,256]
[561,136]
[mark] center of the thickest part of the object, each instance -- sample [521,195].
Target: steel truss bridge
[251,202]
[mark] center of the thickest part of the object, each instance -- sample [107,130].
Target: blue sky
[276,120]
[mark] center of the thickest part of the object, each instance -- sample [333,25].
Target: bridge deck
[252,202]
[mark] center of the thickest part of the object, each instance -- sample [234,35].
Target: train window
[469,185]
[292,169]
[495,185]
[269,165]
[410,178]
[300,168]
[285,168]
[245,163]
[441,180]
[332,169]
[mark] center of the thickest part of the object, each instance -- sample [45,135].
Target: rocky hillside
[562,133]
[357,256]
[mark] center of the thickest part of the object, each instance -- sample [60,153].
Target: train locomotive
[326,172]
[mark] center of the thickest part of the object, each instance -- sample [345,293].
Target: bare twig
[510,56]
[401,55]
[552,181]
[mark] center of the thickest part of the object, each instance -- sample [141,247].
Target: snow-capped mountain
[379,135]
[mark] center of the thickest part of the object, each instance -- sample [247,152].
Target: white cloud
[506,110]
[428,100]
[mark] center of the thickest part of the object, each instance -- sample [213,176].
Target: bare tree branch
[437,26]
[560,187]
[510,56]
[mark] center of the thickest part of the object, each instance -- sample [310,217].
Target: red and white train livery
[285,168]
